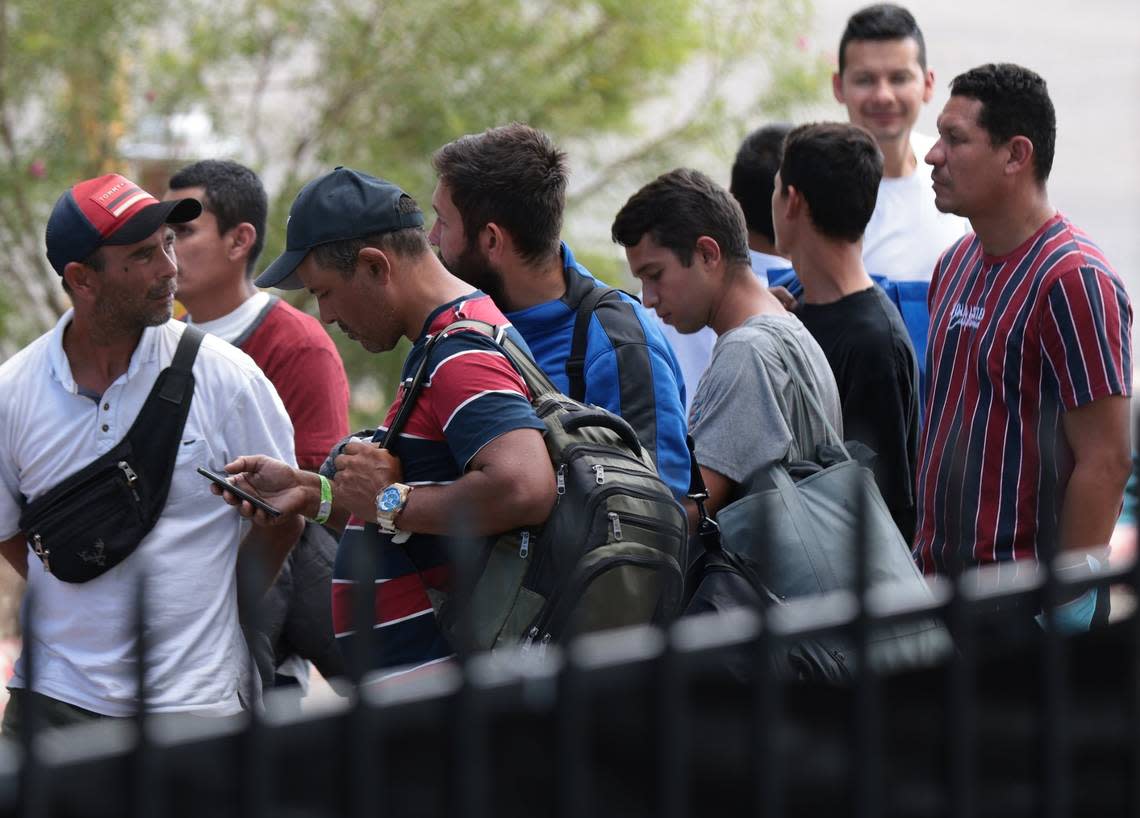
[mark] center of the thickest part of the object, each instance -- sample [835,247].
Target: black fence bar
[671,726]
[961,691]
[1132,675]
[254,784]
[33,777]
[1054,715]
[767,760]
[778,752]
[145,774]
[470,770]
[573,783]
[866,750]
[1132,679]
[359,722]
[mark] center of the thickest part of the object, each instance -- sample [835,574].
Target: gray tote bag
[798,526]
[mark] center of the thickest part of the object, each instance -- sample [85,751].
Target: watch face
[390,499]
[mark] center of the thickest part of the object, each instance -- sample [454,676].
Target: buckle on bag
[41,552]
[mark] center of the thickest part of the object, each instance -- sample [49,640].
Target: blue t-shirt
[630,368]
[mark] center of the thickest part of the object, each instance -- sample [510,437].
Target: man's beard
[125,310]
[472,267]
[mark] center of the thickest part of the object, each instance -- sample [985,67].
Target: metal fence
[649,722]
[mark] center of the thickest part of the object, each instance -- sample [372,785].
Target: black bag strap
[535,379]
[708,532]
[584,311]
[174,381]
[412,388]
[152,441]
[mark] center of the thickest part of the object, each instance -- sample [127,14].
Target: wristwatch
[389,503]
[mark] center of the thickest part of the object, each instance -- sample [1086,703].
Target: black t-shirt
[867,345]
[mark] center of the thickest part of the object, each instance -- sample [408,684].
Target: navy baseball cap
[342,204]
[110,209]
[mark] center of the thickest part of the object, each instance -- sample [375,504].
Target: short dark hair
[513,176]
[679,207]
[882,21]
[408,242]
[233,193]
[1015,102]
[837,168]
[753,176]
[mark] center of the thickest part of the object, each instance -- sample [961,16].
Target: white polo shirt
[85,633]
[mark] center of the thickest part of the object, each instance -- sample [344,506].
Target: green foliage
[629,89]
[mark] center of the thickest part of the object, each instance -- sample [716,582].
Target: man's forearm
[475,505]
[1090,507]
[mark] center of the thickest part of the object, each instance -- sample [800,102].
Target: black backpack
[610,552]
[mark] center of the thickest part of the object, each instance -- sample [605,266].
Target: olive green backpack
[610,552]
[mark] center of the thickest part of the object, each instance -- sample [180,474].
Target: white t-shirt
[907,233]
[232,326]
[694,351]
[85,632]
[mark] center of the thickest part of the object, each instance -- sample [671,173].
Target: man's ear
[494,243]
[928,86]
[241,240]
[708,251]
[80,278]
[1020,156]
[837,88]
[792,202]
[373,261]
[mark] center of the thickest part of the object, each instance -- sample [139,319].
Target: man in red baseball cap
[72,395]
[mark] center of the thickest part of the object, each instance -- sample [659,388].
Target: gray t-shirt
[748,413]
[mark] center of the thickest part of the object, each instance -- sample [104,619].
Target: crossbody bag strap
[806,394]
[154,437]
[583,312]
[708,532]
[156,433]
[412,389]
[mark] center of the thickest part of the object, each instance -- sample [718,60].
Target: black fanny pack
[95,518]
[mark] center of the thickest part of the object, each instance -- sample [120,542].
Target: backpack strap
[412,389]
[535,379]
[576,363]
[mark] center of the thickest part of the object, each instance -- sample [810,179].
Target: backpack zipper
[615,524]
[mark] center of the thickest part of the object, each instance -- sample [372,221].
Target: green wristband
[325,509]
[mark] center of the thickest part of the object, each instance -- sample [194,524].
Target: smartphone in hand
[223,481]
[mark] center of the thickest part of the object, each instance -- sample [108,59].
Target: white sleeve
[257,423]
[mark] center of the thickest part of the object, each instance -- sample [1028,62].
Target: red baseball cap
[108,210]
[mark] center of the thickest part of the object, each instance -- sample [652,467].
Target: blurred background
[292,88]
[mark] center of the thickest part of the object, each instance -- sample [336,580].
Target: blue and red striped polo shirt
[1015,341]
[473,395]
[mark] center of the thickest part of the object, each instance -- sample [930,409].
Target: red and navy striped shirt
[1015,342]
[472,396]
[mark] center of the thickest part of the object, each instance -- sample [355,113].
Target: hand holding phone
[223,481]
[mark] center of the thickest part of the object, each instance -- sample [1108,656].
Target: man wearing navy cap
[70,396]
[469,464]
